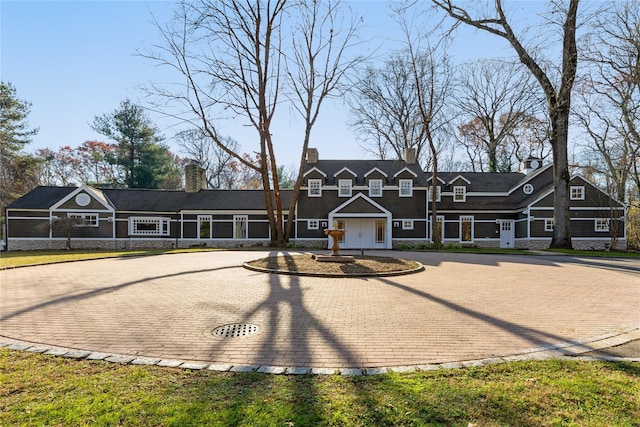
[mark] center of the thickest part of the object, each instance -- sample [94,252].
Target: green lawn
[23,258]
[37,389]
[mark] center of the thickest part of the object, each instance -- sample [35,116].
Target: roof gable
[403,170]
[458,178]
[360,204]
[315,169]
[345,169]
[375,170]
[75,200]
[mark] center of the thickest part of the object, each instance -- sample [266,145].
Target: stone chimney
[312,155]
[195,178]
[410,156]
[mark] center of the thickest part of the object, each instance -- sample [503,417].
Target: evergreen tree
[18,170]
[146,162]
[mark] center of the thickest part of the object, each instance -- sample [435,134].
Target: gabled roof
[375,170]
[315,169]
[407,170]
[457,178]
[345,169]
[362,167]
[92,192]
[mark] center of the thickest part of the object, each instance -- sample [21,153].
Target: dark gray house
[380,203]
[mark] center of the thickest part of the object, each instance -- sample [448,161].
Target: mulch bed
[364,265]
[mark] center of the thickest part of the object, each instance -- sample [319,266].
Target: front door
[507,234]
[364,233]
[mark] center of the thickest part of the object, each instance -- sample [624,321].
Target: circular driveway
[462,307]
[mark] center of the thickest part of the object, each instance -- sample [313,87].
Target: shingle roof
[500,182]
[361,167]
[42,197]
[171,201]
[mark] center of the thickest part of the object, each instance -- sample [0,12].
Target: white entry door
[359,234]
[507,234]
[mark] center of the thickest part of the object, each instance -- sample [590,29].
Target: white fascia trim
[479,212]
[586,181]
[28,217]
[593,208]
[383,212]
[439,179]
[94,194]
[224,212]
[345,169]
[529,177]
[316,170]
[375,170]
[405,169]
[461,177]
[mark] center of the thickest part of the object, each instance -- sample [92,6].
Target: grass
[23,258]
[37,389]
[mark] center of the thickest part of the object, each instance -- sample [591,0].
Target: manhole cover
[235,330]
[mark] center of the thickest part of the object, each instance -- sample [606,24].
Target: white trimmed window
[576,192]
[438,191]
[313,224]
[459,193]
[240,225]
[85,219]
[548,224]
[315,188]
[407,224]
[466,229]
[204,226]
[406,187]
[344,188]
[375,188]
[148,226]
[602,225]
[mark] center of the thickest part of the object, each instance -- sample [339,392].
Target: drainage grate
[235,330]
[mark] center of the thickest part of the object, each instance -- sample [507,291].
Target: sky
[75,60]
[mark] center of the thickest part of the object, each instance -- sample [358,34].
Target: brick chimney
[195,178]
[312,155]
[410,156]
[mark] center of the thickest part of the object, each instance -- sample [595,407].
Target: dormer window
[459,193]
[577,192]
[315,188]
[406,187]
[375,188]
[344,188]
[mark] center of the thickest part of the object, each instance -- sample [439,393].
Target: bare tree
[495,97]
[610,93]
[558,95]
[385,111]
[232,57]
[317,69]
[432,78]
[216,162]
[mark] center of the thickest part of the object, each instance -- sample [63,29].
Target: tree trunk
[562,218]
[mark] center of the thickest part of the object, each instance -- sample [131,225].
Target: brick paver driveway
[461,307]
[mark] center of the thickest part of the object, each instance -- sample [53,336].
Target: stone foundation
[61,244]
